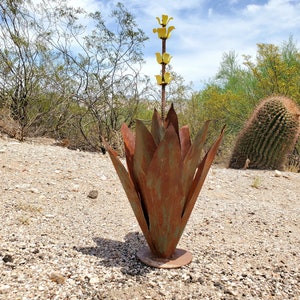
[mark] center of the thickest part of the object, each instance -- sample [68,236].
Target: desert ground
[68,232]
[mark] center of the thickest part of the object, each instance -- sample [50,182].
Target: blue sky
[207,29]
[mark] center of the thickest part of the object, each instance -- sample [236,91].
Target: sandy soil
[57,241]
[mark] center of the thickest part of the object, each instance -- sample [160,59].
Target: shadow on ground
[119,254]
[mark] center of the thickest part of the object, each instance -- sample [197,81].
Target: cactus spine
[269,136]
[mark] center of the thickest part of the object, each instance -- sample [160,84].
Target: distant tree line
[69,74]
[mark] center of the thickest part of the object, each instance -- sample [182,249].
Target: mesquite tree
[21,55]
[84,67]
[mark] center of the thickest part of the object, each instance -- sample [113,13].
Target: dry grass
[256,183]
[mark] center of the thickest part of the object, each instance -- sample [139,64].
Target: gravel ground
[57,241]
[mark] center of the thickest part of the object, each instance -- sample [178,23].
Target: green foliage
[145,111]
[277,70]
[232,95]
[269,136]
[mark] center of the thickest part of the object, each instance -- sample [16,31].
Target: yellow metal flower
[163,59]
[164,33]
[164,20]
[158,79]
[167,79]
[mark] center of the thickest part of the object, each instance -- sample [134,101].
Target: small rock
[49,216]
[93,194]
[277,173]
[230,292]
[34,190]
[218,284]
[94,280]
[8,258]
[58,278]
[200,280]
[74,188]
[4,289]
[103,177]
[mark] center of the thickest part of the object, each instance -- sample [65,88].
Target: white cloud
[253,8]
[203,34]
[206,29]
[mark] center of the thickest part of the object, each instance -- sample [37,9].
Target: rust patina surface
[165,173]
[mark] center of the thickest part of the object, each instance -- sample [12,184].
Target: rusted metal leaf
[132,196]
[172,119]
[165,177]
[157,128]
[145,148]
[193,157]
[200,177]
[129,145]
[165,190]
[185,140]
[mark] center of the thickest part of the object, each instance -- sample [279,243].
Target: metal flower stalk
[164,175]
[163,58]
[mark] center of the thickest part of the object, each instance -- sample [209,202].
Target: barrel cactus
[269,136]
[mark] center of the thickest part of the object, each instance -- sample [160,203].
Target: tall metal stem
[163,86]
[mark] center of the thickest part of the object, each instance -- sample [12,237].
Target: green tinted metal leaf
[193,158]
[200,178]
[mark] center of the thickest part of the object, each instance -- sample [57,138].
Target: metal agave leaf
[164,176]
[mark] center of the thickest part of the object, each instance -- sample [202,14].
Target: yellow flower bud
[164,20]
[164,33]
[163,59]
[158,79]
[159,58]
[167,79]
[166,58]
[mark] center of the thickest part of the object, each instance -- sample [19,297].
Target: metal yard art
[165,173]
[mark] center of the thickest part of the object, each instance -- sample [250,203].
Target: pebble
[4,288]
[93,194]
[94,279]
[58,278]
[8,258]
[277,173]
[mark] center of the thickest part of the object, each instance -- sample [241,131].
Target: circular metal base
[179,258]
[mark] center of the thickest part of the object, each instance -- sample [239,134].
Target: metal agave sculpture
[164,175]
